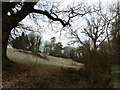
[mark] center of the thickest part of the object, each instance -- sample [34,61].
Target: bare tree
[14,12]
[96,30]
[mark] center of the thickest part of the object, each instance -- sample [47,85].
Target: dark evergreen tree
[21,42]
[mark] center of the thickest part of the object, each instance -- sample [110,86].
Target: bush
[97,69]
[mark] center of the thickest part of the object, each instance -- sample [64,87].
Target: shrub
[97,69]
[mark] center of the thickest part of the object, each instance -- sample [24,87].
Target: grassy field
[19,57]
[30,71]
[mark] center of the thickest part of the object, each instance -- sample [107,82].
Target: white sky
[63,39]
[47,34]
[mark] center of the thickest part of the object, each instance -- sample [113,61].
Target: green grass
[20,57]
[116,74]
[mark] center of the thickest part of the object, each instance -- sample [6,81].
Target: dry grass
[28,76]
[33,76]
[34,72]
[26,58]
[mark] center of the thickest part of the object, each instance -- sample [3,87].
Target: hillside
[31,71]
[19,56]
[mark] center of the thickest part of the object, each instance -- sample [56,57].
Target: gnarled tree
[14,12]
[11,18]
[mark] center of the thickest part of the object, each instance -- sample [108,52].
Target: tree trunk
[5,60]
[94,45]
[10,22]
[6,29]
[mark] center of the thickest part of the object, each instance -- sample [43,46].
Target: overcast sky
[47,33]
